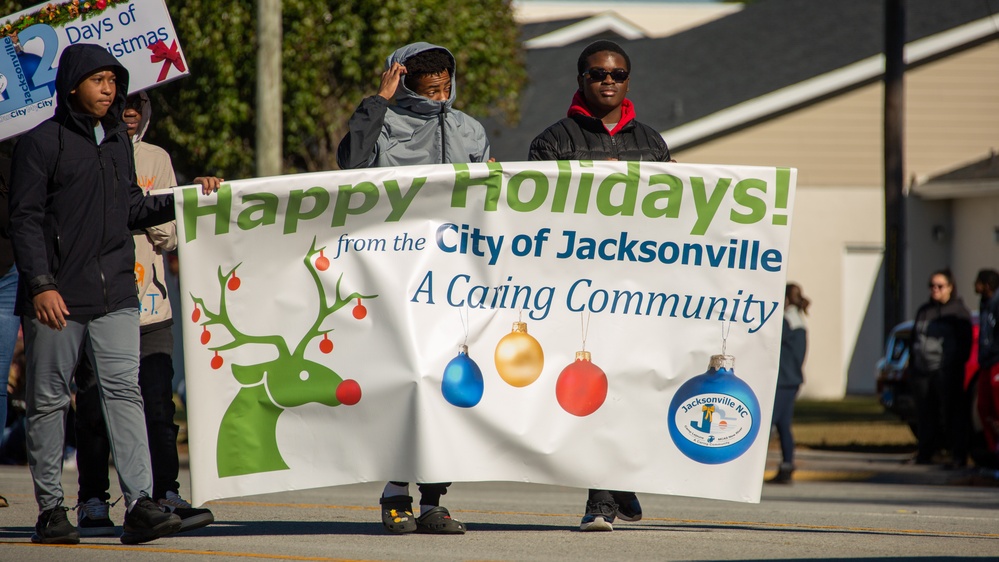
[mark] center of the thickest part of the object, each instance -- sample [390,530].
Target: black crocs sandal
[438,521]
[397,514]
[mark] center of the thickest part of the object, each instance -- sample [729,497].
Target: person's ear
[579,82]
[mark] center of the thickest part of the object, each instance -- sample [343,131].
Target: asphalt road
[841,506]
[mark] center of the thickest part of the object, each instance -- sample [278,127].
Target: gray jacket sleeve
[358,148]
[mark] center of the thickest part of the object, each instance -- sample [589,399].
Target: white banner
[325,317]
[139,34]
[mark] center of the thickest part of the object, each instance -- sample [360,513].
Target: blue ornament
[462,385]
[714,417]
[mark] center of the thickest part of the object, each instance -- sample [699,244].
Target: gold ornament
[519,357]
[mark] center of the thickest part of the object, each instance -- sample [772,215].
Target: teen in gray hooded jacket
[422,127]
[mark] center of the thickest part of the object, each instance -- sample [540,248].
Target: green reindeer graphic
[247,439]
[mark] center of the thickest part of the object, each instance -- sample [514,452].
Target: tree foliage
[333,56]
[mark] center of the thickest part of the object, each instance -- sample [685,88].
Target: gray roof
[769,45]
[986,169]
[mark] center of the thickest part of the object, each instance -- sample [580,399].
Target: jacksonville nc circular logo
[712,428]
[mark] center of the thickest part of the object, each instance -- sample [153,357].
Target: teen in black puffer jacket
[581,136]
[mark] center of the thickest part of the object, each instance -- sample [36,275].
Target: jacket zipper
[440,119]
[100,266]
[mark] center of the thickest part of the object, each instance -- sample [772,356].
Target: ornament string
[464,323]
[725,333]
[584,326]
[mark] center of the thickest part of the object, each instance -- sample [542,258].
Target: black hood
[76,63]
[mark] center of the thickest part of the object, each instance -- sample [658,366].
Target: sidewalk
[836,466]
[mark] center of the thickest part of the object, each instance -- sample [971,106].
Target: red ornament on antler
[322,262]
[217,361]
[359,311]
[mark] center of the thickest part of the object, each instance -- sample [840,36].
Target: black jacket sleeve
[28,192]
[358,147]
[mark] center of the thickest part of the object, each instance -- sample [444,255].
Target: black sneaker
[599,516]
[93,520]
[53,527]
[190,517]
[146,521]
[628,507]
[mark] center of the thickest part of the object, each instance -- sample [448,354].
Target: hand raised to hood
[390,80]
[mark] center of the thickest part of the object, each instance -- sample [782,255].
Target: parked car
[892,375]
[896,395]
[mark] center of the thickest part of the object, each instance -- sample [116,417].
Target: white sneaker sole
[598,524]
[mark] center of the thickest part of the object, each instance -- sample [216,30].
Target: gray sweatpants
[112,342]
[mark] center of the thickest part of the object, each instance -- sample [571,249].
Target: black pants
[93,447]
[783,415]
[430,494]
[944,414]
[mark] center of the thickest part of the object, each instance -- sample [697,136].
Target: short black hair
[989,278]
[429,62]
[596,47]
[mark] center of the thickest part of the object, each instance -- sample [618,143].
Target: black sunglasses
[599,74]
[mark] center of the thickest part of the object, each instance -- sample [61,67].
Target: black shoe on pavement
[53,527]
[146,521]
[93,519]
[397,514]
[190,517]
[783,476]
[628,507]
[438,521]
[599,516]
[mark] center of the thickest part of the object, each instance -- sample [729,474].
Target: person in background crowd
[154,172]
[601,125]
[790,376]
[73,203]
[421,128]
[9,322]
[987,287]
[940,346]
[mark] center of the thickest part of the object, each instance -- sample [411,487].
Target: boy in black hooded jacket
[73,203]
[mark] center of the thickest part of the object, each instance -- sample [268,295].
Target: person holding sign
[421,128]
[73,203]
[601,125]
[154,173]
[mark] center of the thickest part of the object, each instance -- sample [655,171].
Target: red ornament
[234,282]
[322,262]
[348,392]
[217,361]
[196,315]
[359,311]
[326,345]
[206,336]
[581,387]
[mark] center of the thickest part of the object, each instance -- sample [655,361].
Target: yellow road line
[191,552]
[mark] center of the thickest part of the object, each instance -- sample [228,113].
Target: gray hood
[410,100]
[146,115]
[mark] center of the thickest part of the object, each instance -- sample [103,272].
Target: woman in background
[793,344]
